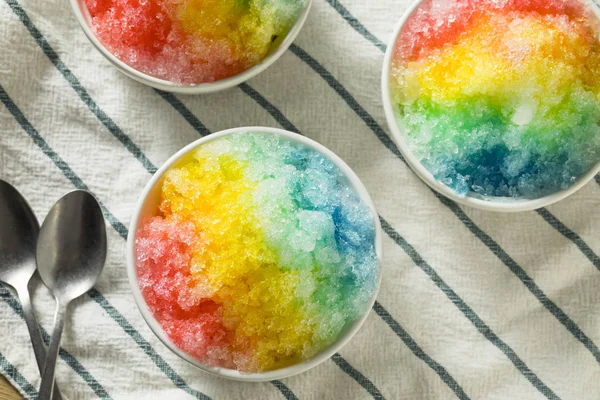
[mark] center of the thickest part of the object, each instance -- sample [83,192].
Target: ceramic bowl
[499,204]
[84,19]
[147,206]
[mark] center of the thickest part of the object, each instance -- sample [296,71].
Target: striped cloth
[473,305]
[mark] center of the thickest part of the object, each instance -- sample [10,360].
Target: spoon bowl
[71,252]
[18,235]
[71,248]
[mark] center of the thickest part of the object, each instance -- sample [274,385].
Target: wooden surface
[7,392]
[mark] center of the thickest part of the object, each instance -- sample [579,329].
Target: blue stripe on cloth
[356,24]
[56,159]
[418,351]
[571,235]
[524,278]
[285,391]
[358,376]
[13,373]
[184,112]
[120,228]
[390,321]
[76,85]
[347,97]
[460,214]
[468,312]
[8,298]
[269,107]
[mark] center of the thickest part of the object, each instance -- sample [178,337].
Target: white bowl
[83,16]
[147,205]
[500,204]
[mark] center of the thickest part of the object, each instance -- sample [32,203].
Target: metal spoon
[71,251]
[18,235]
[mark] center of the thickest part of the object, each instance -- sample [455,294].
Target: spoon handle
[47,385]
[39,348]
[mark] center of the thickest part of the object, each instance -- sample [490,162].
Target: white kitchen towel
[473,305]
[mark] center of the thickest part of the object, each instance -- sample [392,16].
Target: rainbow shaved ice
[500,97]
[260,255]
[192,41]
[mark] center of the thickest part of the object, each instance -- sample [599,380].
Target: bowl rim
[498,204]
[82,16]
[153,324]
